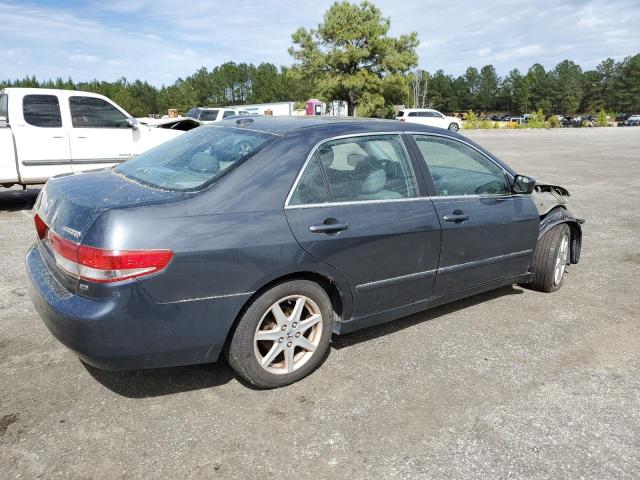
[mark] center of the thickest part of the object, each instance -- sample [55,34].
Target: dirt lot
[508,384]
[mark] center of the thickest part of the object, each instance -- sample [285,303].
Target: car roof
[283,125]
[50,91]
[419,110]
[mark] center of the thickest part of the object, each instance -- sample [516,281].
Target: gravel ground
[508,384]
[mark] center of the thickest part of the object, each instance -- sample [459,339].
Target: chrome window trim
[354,202]
[357,202]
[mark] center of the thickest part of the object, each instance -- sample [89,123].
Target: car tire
[283,335]
[551,258]
[453,127]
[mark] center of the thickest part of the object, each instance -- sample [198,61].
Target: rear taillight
[41,227]
[100,265]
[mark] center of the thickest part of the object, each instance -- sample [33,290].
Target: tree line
[227,84]
[565,89]
[351,57]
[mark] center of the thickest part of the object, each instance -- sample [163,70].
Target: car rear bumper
[128,330]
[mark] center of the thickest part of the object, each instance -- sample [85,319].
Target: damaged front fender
[547,197]
[561,215]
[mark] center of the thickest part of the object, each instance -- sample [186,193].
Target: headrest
[325,152]
[374,182]
[203,162]
[355,159]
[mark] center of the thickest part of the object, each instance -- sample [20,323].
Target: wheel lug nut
[281,339]
[294,324]
[284,327]
[297,334]
[289,344]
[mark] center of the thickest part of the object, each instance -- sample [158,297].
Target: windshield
[194,158]
[206,115]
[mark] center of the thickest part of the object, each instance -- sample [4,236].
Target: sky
[162,40]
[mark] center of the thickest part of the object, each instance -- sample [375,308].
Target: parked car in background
[430,117]
[210,114]
[46,132]
[622,118]
[323,227]
[633,121]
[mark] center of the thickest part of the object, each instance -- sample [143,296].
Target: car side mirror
[523,184]
[132,122]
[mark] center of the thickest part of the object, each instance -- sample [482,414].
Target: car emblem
[71,231]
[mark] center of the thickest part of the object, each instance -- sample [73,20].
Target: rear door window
[209,115]
[357,169]
[92,112]
[42,111]
[4,107]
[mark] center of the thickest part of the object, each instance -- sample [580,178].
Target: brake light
[100,265]
[41,227]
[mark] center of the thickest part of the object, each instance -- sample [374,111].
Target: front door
[100,134]
[42,138]
[488,233]
[357,207]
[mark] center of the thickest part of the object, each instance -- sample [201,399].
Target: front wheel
[551,258]
[453,127]
[283,335]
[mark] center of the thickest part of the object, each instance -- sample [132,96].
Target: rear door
[100,134]
[488,233]
[357,206]
[42,137]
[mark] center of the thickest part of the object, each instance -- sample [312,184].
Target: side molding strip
[365,287]
[484,261]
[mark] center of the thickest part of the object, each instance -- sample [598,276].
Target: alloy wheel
[561,260]
[288,334]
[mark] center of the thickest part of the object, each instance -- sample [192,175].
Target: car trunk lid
[69,205]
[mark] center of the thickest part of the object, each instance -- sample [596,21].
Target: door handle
[81,137]
[329,227]
[455,217]
[57,136]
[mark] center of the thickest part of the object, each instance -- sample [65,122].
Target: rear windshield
[206,115]
[193,159]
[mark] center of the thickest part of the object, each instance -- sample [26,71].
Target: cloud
[161,40]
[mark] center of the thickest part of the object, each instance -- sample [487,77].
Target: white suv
[428,116]
[212,114]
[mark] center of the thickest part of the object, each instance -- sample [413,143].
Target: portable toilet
[314,107]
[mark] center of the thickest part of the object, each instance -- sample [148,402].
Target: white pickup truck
[47,132]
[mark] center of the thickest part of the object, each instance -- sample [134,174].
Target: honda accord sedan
[320,226]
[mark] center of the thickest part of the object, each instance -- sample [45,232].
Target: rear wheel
[551,258]
[453,127]
[283,335]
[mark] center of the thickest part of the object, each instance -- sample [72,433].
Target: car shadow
[157,382]
[359,336]
[15,200]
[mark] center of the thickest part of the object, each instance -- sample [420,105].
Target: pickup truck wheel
[453,127]
[283,336]
[550,259]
